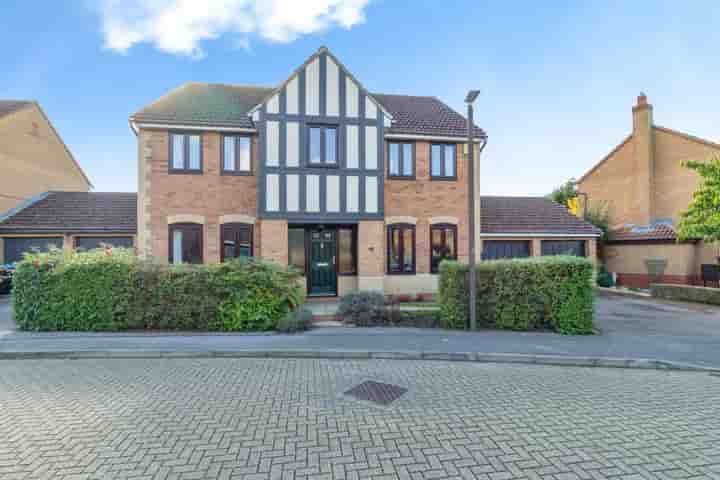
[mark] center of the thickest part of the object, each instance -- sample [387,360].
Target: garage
[497,249]
[90,243]
[563,247]
[16,246]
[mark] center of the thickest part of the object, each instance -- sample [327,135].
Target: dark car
[6,272]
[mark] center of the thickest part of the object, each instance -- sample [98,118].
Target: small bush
[112,290]
[363,308]
[524,294]
[686,293]
[297,321]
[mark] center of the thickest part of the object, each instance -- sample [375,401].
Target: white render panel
[332,193]
[273,105]
[352,154]
[352,191]
[272,192]
[370,108]
[371,194]
[272,144]
[312,88]
[291,96]
[332,88]
[292,145]
[352,98]
[386,121]
[312,193]
[371,157]
[292,193]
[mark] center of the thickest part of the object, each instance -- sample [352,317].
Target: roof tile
[531,215]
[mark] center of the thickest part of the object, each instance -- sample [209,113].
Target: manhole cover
[382,393]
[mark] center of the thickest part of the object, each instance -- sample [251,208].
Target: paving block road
[289,419]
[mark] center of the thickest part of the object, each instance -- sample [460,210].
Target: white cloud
[180,26]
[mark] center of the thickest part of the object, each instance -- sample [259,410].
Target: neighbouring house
[646,188]
[80,220]
[33,157]
[358,190]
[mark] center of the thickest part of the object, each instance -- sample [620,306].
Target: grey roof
[531,215]
[205,104]
[208,104]
[74,212]
[423,116]
[10,106]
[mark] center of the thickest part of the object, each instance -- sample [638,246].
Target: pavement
[256,419]
[7,325]
[629,329]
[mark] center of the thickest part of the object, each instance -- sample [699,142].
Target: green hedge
[113,290]
[525,294]
[686,293]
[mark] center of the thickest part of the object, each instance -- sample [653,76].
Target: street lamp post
[469,99]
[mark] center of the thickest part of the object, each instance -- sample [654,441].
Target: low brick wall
[642,280]
[686,293]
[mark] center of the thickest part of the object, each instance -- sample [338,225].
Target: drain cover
[382,393]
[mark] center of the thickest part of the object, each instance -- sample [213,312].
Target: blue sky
[557,82]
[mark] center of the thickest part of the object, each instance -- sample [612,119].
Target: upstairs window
[401,160]
[237,240]
[323,145]
[443,245]
[401,249]
[236,155]
[443,162]
[185,153]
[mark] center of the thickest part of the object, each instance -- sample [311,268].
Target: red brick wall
[423,198]
[210,194]
[642,280]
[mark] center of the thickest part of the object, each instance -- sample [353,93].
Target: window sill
[230,173]
[401,273]
[402,177]
[443,179]
[173,171]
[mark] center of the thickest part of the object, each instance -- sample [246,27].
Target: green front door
[323,275]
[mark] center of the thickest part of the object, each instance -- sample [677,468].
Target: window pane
[394,255]
[314,145]
[449,160]
[450,243]
[330,145]
[177,247]
[194,153]
[228,250]
[435,153]
[407,160]
[178,152]
[296,248]
[408,250]
[394,159]
[244,154]
[229,154]
[346,251]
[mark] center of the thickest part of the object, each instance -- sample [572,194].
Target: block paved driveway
[288,419]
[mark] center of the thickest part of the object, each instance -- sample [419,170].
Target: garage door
[495,249]
[15,247]
[89,243]
[563,247]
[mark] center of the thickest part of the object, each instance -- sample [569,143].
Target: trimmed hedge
[686,293]
[112,290]
[553,292]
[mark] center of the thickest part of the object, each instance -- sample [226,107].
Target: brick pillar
[68,243]
[144,240]
[536,247]
[644,160]
[274,241]
[371,255]
[591,250]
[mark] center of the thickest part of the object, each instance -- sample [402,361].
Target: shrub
[686,293]
[363,308]
[297,321]
[523,294]
[112,290]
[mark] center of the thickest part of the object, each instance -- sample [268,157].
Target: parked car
[6,272]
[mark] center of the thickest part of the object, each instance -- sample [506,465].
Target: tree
[564,193]
[599,215]
[702,218]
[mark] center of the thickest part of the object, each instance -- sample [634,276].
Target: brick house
[359,190]
[646,188]
[33,157]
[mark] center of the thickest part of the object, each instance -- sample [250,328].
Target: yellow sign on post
[573,205]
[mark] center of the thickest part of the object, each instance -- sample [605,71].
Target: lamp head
[471,96]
